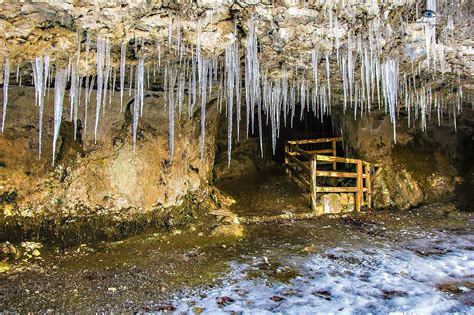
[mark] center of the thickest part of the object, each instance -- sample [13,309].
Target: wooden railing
[307,165]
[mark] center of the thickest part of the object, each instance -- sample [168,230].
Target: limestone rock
[228,230]
[335,203]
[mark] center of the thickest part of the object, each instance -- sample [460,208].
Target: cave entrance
[260,186]
[308,127]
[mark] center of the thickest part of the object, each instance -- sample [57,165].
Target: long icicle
[59,89]
[6,79]
[100,82]
[123,52]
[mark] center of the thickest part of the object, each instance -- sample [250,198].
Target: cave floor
[418,260]
[265,193]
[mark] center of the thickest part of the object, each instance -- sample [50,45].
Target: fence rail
[306,166]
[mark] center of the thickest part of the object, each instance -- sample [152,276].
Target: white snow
[349,280]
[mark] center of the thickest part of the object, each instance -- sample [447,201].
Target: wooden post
[334,153]
[368,180]
[312,190]
[359,185]
[287,160]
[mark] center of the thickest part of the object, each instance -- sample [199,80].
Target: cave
[236,156]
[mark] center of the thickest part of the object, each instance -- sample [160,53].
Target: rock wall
[421,166]
[104,177]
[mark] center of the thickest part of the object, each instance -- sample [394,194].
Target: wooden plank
[298,175]
[334,154]
[294,148]
[300,163]
[309,152]
[310,141]
[287,161]
[336,174]
[336,189]
[336,159]
[319,163]
[322,151]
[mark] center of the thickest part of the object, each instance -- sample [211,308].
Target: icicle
[181,86]
[130,79]
[107,74]
[203,108]
[170,32]
[138,98]
[101,43]
[328,78]
[253,78]
[72,92]
[230,68]
[390,73]
[59,89]
[344,83]
[141,86]
[171,107]
[123,52]
[6,79]
[39,71]
[430,27]
[314,63]
[193,87]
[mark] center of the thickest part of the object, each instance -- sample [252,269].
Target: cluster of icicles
[188,83]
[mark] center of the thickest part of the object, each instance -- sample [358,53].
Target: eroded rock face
[287,30]
[420,166]
[106,176]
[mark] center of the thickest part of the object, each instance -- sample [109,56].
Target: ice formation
[353,71]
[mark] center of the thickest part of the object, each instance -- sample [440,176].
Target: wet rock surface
[422,167]
[102,190]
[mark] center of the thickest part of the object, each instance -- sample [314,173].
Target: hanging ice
[6,79]
[171,107]
[101,43]
[203,108]
[123,51]
[59,89]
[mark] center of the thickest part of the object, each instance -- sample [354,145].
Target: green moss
[65,228]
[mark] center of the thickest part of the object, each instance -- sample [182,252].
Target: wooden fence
[306,165]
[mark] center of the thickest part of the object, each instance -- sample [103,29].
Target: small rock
[241,293]
[112,290]
[277,298]
[167,308]
[4,267]
[8,251]
[224,300]
[228,230]
[323,294]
